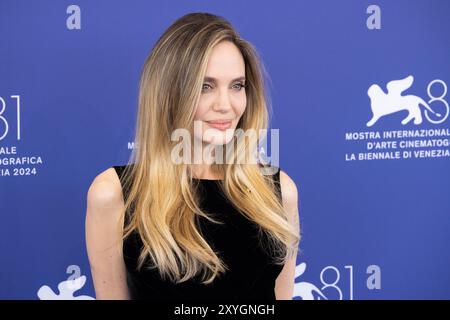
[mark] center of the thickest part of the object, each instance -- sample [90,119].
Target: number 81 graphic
[443,116]
[5,121]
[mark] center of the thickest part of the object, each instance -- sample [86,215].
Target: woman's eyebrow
[211,79]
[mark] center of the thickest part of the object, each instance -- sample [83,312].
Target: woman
[161,228]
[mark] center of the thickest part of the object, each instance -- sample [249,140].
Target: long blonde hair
[162,203]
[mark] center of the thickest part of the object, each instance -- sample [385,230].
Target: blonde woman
[162,229]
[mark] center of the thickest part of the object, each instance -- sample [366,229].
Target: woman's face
[223,98]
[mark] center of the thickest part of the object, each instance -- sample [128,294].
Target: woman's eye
[205,86]
[239,86]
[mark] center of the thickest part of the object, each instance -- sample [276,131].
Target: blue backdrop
[375,216]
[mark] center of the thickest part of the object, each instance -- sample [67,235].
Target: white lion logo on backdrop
[66,290]
[387,103]
[305,290]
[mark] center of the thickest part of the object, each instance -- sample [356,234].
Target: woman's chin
[220,138]
[219,141]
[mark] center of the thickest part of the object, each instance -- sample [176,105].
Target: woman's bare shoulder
[105,193]
[289,189]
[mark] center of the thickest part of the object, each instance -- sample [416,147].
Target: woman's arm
[284,284]
[105,207]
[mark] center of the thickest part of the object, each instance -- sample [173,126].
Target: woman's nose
[222,103]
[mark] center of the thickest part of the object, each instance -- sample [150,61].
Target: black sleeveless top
[251,271]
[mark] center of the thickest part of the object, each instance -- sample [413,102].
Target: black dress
[251,271]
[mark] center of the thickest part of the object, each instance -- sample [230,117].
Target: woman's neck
[205,171]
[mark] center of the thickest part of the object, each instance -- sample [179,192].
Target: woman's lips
[220,124]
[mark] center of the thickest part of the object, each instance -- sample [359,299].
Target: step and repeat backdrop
[359,91]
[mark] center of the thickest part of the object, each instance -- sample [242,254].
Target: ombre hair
[162,205]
